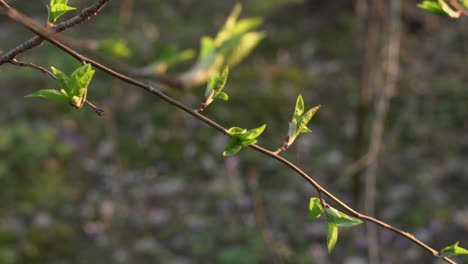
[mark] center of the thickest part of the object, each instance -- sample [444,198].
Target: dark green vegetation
[149,184]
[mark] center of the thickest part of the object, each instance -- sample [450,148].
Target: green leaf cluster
[241,138]
[231,45]
[214,88]
[334,220]
[74,88]
[454,250]
[58,8]
[298,124]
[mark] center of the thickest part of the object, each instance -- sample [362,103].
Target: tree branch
[47,35]
[85,15]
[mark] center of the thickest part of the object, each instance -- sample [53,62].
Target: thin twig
[28,23]
[85,15]
[34,66]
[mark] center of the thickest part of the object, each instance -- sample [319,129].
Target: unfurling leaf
[299,109]
[332,236]
[74,88]
[454,250]
[299,122]
[219,80]
[241,138]
[58,8]
[214,88]
[315,208]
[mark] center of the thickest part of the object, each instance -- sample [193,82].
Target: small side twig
[32,65]
[97,110]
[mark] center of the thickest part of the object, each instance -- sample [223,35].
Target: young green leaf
[51,94]
[58,8]
[253,133]
[299,109]
[232,147]
[245,43]
[241,138]
[219,80]
[236,131]
[332,236]
[305,119]
[315,208]
[298,124]
[61,77]
[454,250]
[432,7]
[340,219]
[214,88]
[221,95]
[80,80]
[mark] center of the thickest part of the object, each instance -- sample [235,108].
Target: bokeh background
[147,183]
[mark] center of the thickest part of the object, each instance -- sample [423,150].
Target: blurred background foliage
[148,184]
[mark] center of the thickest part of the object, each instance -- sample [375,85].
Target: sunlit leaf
[218,81]
[305,118]
[465,3]
[230,46]
[62,79]
[82,78]
[454,250]
[315,208]
[58,8]
[432,7]
[253,133]
[50,94]
[229,25]
[299,109]
[247,24]
[246,44]
[332,236]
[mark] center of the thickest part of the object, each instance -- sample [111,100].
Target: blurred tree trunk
[381,20]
